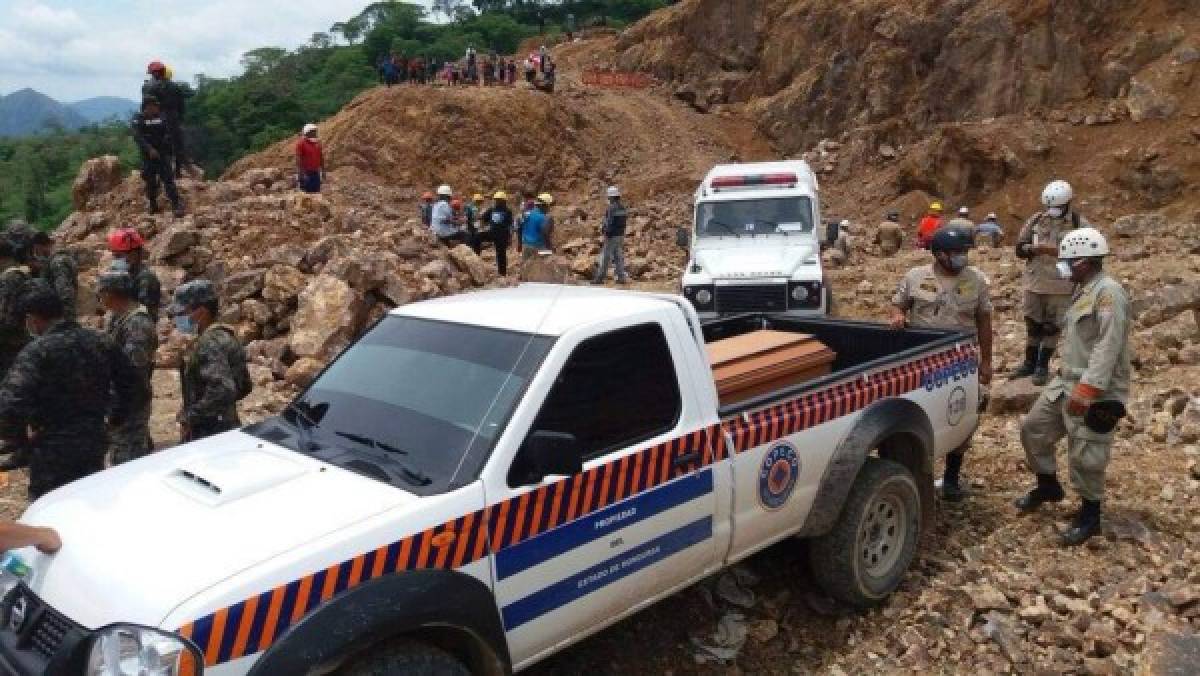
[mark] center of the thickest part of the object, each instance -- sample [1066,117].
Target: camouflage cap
[192,294]
[116,279]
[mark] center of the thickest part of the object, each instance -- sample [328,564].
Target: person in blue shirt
[538,228]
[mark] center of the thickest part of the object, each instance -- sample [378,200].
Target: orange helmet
[125,240]
[427,195]
[155,66]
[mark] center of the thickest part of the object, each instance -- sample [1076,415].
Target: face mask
[1055,212]
[1064,269]
[185,324]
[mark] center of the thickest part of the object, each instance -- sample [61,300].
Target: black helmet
[950,239]
[191,295]
[116,279]
[20,239]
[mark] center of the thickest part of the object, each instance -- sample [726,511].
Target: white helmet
[963,211]
[1057,194]
[308,129]
[1082,243]
[613,191]
[444,190]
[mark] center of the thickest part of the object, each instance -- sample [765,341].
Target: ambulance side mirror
[683,238]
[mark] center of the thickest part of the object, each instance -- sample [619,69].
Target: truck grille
[752,298]
[49,632]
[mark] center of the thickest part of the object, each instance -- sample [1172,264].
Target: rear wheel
[863,559]
[406,657]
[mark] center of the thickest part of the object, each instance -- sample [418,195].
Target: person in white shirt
[444,224]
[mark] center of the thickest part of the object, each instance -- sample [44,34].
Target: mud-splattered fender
[414,602]
[898,419]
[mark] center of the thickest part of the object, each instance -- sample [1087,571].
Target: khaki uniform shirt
[939,301]
[1095,346]
[888,236]
[1041,274]
[964,224]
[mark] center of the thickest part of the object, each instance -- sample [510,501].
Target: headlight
[128,650]
[800,293]
[704,296]
[804,295]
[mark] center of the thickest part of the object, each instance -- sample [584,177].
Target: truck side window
[615,390]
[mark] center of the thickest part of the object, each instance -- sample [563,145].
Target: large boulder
[97,176]
[329,315]
[283,283]
[242,285]
[1013,396]
[1138,225]
[466,260]
[172,242]
[302,372]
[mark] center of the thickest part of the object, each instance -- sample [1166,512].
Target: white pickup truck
[754,246]
[482,480]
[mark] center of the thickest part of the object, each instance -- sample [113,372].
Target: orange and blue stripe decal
[254,624]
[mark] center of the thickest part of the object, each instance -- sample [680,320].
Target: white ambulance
[754,244]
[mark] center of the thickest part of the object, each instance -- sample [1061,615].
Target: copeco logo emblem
[937,378]
[17,613]
[956,408]
[777,475]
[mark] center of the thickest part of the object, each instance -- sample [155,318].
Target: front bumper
[35,639]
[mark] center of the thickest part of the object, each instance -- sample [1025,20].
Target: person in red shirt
[929,225]
[310,161]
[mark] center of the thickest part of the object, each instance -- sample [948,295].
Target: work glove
[1081,397]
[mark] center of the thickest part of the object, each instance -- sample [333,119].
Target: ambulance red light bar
[754,180]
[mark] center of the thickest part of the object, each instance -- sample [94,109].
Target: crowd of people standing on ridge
[538,68]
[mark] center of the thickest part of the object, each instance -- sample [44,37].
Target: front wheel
[406,657]
[862,560]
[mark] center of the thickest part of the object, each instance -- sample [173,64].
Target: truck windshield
[784,215]
[416,402]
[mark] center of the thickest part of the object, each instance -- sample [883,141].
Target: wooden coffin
[760,362]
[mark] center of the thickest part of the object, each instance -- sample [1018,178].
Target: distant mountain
[27,112]
[103,108]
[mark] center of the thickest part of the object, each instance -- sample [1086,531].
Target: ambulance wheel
[407,657]
[863,559]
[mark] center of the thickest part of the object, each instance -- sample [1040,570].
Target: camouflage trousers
[1088,452]
[131,440]
[56,463]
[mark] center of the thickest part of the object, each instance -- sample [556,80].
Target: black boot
[1085,525]
[951,490]
[1048,490]
[1027,367]
[1041,373]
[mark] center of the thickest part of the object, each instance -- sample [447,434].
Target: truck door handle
[686,459]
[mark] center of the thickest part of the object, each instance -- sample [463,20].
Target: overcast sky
[77,49]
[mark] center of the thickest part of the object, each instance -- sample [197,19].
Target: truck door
[572,553]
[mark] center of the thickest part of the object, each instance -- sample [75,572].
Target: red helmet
[125,240]
[456,203]
[155,66]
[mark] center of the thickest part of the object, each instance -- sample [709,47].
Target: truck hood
[143,537]
[741,259]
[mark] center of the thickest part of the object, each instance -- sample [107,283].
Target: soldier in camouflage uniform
[1046,295]
[1094,377]
[14,282]
[56,396]
[130,328]
[213,374]
[949,294]
[127,244]
[57,269]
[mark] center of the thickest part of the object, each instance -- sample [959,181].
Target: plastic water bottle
[15,565]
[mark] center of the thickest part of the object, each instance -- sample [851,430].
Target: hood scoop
[220,479]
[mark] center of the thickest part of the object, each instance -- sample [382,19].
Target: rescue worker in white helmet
[1046,294]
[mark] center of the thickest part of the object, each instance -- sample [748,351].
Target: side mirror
[551,453]
[683,238]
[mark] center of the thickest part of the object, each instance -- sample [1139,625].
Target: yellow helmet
[545,198]
[500,195]
[169,74]
[478,197]
[936,206]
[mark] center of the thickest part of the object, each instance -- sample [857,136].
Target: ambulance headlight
[799,293]
[130,650]
[703,296]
